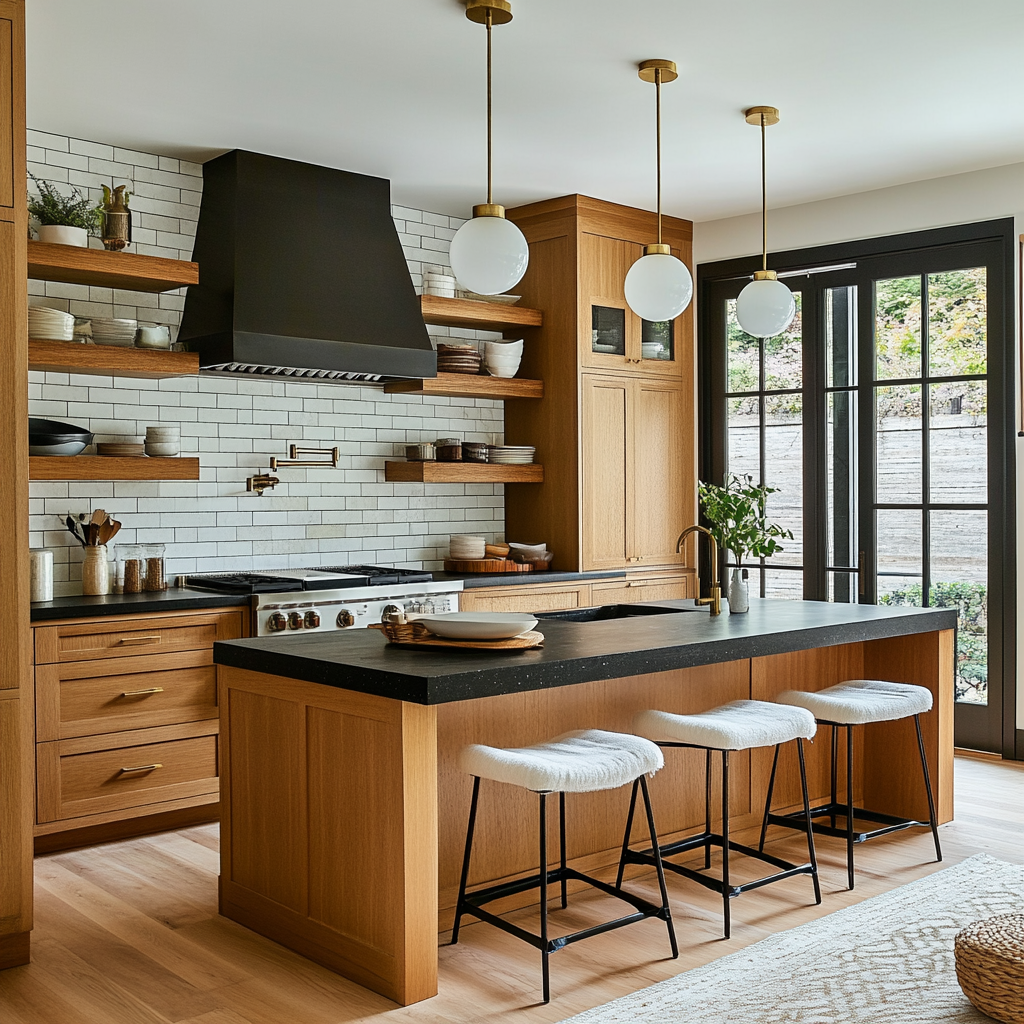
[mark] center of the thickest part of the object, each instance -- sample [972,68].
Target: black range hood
[302,275]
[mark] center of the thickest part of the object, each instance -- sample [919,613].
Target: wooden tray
[419,636]
[490,566]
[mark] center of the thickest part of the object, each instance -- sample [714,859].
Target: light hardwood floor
[128,933]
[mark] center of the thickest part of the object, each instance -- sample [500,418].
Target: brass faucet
[715,600]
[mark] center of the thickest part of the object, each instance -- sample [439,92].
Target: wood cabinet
[615,428]
[127,719]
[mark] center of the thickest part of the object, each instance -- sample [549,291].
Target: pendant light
[489,254]
[658,286]
[766,307]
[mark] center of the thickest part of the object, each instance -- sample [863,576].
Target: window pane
[898,328]
[898,445]
[843,587]
[657,339]
[841,479]
[744,354]
[959,578]
[958,442]
[743,453]
[899,540]
[841,337]
[783,355]
[608,330]
[784,469]
[785,584]
[957,322]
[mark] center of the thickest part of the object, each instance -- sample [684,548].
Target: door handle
[143,693]
[141,768]
[860,574]
[139,640]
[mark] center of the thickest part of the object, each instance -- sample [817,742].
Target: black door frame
[828,261]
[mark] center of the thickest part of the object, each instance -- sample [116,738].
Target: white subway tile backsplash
[314,516]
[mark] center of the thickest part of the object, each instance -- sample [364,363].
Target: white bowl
[530,550]
[160,433]
[504,346]
[478,625]
[162,450]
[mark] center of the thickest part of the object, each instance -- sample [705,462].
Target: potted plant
[737,514]
[65,220]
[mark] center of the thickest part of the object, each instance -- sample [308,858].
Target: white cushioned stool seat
[578,762]
[859,701]
[738,725]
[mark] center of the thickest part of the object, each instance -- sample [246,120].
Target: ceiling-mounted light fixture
[766,307]
[489,254]
[658,286]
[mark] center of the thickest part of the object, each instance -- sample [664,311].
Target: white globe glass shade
[765,308]
[658,287]
[489,255]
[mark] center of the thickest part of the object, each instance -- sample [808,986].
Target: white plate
[478,625]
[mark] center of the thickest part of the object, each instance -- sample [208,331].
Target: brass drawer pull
[141,768]
[143,693]
[139,640]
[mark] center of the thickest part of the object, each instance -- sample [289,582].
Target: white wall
[314,517]
[938,202]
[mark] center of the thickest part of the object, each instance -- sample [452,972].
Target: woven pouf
[990,966]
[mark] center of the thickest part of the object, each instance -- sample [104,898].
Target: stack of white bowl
[163,442]
[502,358]
[45,324]
[106,331]
[442,285]
[466,547]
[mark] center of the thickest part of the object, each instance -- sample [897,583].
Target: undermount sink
[613,611]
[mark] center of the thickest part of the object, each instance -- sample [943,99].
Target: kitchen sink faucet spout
[715,600]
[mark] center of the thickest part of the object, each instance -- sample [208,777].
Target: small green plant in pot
[738,519]
[65,220]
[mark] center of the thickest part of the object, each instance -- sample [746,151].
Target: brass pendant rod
[490,171]
[764,205]
[657,93]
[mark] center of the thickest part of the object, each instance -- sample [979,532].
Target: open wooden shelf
[462,473]
[465,385]
[128,270]
[71,357]
[481,316]
[104,467]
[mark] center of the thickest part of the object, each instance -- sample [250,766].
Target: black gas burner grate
[380,576]
[240,582]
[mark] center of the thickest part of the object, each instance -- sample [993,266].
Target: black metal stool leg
[465,860]
[707,810]
[849,804]
[725,843]
[932,820]
[835,777]
[544,954]
[561,841]
[807,815]
[626,837]
[768,799]
[659,867]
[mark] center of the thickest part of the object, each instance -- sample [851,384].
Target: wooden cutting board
[485,565]
[523,642]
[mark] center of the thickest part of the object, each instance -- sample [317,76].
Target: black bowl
[43,432]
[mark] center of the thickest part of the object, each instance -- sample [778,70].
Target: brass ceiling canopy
[648,71]
[754,115]
[500,11]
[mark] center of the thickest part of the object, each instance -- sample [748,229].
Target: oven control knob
[295,620]
[312,619]
[276,622]
[346,618]
[389,609]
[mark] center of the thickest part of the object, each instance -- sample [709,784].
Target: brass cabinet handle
[139,640]
[143,693]
[141,768]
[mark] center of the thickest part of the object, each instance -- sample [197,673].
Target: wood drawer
[87,698]
[629,592]
[525,598]
[87,776]
[130,637]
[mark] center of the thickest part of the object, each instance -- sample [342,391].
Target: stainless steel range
[300,601]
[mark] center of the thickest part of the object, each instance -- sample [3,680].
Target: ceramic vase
[739,595]
[117,218]
[96,571]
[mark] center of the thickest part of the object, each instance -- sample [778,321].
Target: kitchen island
[344,811]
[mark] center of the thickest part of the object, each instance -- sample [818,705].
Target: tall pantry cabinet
[615,429]
[15,639]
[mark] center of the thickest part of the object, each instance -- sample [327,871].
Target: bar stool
[859,702]
[739,725]
[578,762]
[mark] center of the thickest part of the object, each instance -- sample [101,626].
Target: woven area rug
[888,959]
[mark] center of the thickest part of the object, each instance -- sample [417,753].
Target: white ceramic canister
[41,569]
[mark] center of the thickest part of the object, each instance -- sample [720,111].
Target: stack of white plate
[45,324]
[502,358]
[114,332]
[505,300]
[511,454]
[465,547]
[442,285]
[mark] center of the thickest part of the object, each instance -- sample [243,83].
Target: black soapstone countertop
[573,652]
[174,599]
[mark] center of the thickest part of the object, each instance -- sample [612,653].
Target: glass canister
[153,563]
[131,569]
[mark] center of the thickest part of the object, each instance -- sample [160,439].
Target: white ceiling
[872,92]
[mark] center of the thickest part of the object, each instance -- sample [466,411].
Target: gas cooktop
[323,578]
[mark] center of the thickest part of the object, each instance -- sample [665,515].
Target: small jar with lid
[131,569]
[153,567]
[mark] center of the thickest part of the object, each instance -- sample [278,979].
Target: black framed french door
[884,415]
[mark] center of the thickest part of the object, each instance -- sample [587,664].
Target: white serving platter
[477,625]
